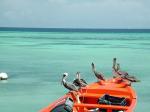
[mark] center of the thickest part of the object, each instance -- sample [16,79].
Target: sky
[75,13]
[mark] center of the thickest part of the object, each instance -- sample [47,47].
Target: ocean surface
[35,61]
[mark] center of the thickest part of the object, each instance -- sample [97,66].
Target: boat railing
[115,107]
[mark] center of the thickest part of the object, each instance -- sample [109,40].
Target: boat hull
[86,99]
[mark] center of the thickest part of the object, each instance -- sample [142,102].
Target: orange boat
[112,95]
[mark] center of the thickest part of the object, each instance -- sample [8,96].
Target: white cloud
[75,13]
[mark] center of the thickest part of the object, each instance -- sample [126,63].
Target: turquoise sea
[35,61]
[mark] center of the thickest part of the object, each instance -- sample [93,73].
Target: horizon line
[79,28]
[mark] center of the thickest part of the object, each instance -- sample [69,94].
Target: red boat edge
[86,99]
[107,95]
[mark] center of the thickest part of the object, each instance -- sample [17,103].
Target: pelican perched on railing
[78,81]
[116,69]
[99,75]
[123,74]
[68,85]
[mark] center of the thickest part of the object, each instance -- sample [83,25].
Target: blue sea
[35,59]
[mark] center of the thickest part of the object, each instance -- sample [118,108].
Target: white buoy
[3,76]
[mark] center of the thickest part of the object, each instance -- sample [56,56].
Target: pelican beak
[61,82]
[77,75]
[62,79]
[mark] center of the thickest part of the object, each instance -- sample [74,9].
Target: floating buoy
[3,76]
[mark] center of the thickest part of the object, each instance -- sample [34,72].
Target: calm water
[35,61]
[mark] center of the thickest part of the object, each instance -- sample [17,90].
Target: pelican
[116,69]
[97,74]
[78,81]
[67,85]
[125,75]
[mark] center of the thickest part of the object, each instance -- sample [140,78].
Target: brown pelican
[97,74]
[125,75]
[78,81]
[116,69]
[67,85]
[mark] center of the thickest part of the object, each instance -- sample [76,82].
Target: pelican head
[78,75]
[93,67]
[64,75]
[114,61]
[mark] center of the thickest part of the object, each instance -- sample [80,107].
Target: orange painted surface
[88,96]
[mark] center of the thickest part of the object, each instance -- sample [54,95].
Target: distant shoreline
[94,30]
